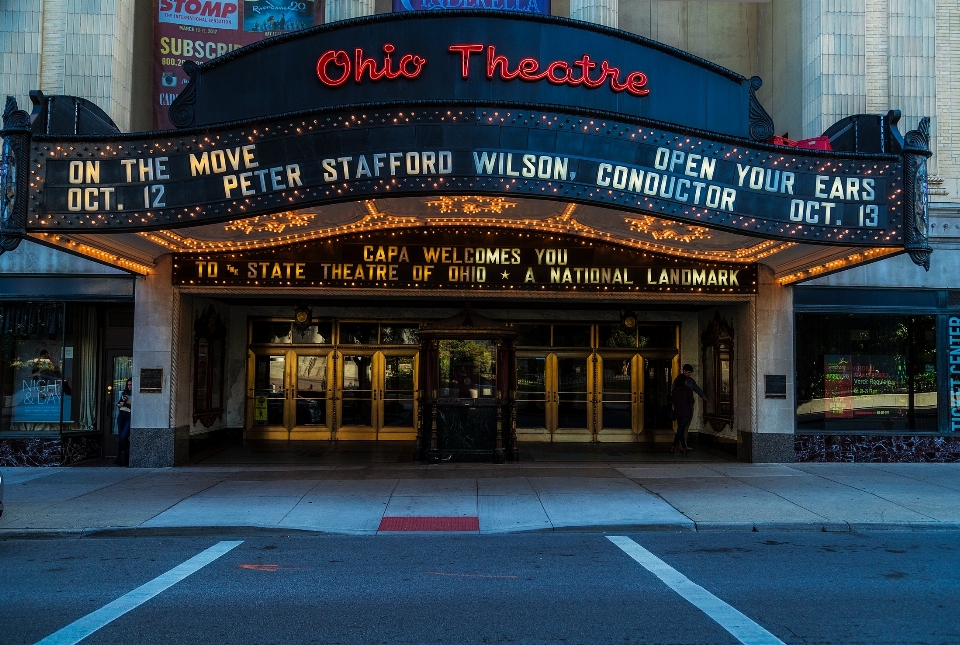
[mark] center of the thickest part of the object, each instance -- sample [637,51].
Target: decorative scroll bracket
[15,137]
[761,123]
[182,109]
[916,221]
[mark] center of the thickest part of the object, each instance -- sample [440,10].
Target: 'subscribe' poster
[201,30]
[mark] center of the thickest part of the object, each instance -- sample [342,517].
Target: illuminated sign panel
[475,259]
[226,174]
[478,57]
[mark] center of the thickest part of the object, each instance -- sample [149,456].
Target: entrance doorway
[610,391]
[290,395]
[360,386]
[377,395]
[118,365]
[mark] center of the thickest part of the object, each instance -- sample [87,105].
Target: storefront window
[47,367]
[866,373]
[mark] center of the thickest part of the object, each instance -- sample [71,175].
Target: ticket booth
[468,393]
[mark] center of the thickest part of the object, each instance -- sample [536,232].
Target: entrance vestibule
[363,380]
[303,385]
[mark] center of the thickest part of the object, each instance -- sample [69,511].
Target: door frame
[111,439]
[376,430]
[632,433]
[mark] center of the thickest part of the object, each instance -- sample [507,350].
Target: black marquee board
[468,258]
[685,151]
[184,179]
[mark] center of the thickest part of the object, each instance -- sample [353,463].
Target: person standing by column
[682,397]
[123,424]
[687,371]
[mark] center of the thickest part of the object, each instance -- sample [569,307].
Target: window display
[866,373]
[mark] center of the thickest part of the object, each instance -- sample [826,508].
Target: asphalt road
[811,588]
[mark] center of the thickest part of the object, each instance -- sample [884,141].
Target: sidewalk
[354,499]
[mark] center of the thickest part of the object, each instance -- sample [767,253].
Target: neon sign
[368,66]
[335,67]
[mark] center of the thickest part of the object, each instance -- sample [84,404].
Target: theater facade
[514,231]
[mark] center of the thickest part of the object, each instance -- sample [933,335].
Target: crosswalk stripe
[83,627]
[742,628]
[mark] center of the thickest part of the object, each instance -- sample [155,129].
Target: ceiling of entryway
[790,261]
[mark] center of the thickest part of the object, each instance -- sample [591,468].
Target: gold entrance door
[536,392]
[620,397]
[573,398]
[289,395]
[310,391]
[376,395]
[555,400]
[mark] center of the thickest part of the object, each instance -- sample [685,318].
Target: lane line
[742,628]
[80,629]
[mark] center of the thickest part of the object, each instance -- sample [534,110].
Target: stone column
[343,9]
[155,438]
[770,439]
[600,12]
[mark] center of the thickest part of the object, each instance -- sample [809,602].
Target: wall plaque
[151,381]
[775,386]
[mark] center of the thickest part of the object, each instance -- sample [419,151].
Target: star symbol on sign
[504,275]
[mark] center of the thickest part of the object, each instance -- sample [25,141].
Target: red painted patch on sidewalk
[430,524]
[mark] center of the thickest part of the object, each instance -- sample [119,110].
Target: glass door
[573,398]
[289,395]
[658,380]
[311,402]
[268,386]
[119,366]
[536,411]
[397,402]
[376,392]
[620,397]
[357,412]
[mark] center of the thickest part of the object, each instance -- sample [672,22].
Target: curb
[261,531]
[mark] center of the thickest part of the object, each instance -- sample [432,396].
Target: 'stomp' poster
[201,30]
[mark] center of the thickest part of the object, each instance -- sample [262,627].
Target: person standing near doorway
[682,398]
[684,387]
[123,424]
[692,384]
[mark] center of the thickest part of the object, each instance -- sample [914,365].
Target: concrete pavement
[354,499]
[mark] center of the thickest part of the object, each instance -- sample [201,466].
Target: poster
[838,386]
[201,30]
[42,383]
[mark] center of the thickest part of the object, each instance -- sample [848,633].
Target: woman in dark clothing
[683,411]
[123,424]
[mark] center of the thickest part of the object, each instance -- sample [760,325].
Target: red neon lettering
[465,51]
[339,58]
[558,72]
[559,80]
[494,61]
[368,66]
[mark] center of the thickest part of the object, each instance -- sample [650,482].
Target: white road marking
[742,628]
[80,629]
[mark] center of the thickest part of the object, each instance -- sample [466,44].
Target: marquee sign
[437,260]
[529,106]
[470,57]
